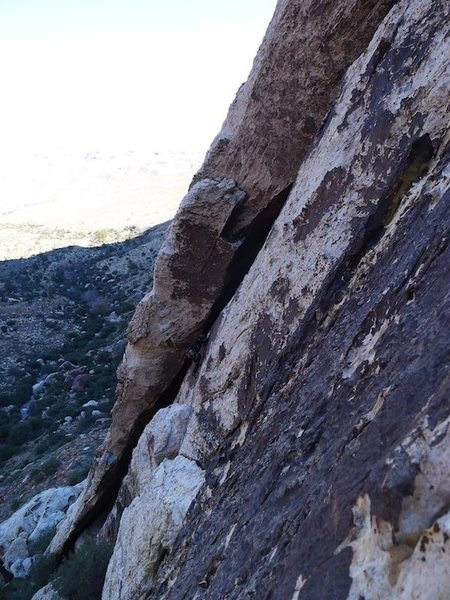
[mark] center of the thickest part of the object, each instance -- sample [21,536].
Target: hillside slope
[63,318]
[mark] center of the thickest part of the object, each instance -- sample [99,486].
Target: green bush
[41,447]
[23,392]
[7,451]
[19,433]
[37,475]
[51,465]
[40,545]
[78,474]
[15,504]
[82,574]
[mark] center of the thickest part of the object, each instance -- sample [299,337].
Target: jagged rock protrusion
[278,111]
[189,275]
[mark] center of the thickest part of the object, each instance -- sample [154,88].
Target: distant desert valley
[63,198]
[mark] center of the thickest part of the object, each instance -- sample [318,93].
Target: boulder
[80,382]
[161,439]
[148,528]
[30,523]
[91,403]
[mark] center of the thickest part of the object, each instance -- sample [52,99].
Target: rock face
[321,406]
[161,439]
[30,524]
[149,526]
[224,219]
[312,429]
[281,107]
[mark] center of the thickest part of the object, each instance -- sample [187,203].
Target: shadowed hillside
[63,317]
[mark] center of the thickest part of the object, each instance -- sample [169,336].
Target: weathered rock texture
[30,524]
[161,439]
[279,110]
[321,406]
[224,219]
[149,526]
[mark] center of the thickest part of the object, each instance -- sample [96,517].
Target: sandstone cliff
[286,394]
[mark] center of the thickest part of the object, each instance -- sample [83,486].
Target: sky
[122,73]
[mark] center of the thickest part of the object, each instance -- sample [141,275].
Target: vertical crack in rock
[253,237]
[113,478]
[248,246]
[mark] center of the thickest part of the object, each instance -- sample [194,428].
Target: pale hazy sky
[122,73]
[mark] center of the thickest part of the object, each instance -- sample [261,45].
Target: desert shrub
[104,356]
[14,370]
[35,422]
[18,396]
[37,475]
[6,424]
[40,545]
[57,439]
[19,433]
[51,465]
[22,392]
[78,474]
[6,398]
[108,328]
[23,431]
[15,504]
[41,447]
[82,574]
[85,422]
[127,307]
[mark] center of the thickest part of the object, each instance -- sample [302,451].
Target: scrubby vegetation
[91,561]
[24,589]
[63,319]
[79,577]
